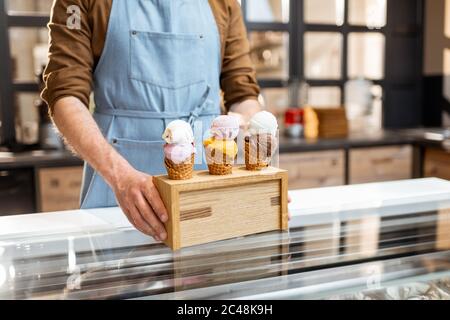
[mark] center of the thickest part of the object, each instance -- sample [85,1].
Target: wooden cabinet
[380,164]
[314,169]
[59,188]
[437,163]
[16,192]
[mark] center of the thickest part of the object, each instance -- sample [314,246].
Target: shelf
[28,20]
[25,87]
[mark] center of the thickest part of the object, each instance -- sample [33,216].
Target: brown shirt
[74,54]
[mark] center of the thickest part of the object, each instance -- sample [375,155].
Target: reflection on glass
[447,74]
[447,18]
[276,100]
[35,6]
[366,241]
[2,275]
[29,48]
[366,55]
[270,54]
[324,97]
[370,13]
[268,10]
[323,55]
[418,290]
[324,11]
[443,230]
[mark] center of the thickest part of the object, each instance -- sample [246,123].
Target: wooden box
[325,123]
[210,208]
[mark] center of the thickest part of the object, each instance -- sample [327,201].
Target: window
[366,55]
[447,52]
[30,6]
[324,97]
[324,12]
[447,73]
[23,50]
[368,13]
[320,43]
[447,18]
[29,48]
[323,55]
[268,10]
[270,54]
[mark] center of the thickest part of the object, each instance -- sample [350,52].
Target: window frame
[8,86]
[296,28]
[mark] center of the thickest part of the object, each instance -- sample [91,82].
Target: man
[149,62]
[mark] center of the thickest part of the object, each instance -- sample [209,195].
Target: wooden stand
[210,208]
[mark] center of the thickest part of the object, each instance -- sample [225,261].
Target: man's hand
[245,111]
[142,204]
[134,190]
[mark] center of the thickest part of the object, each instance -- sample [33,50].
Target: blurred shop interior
[360,87]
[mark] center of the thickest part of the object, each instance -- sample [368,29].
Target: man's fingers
[141,224]
[153,197]
[149,216]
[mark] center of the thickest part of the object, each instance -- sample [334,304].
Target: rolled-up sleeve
[71,60]
[238,79]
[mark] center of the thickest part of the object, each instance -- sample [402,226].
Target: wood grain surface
[210,208]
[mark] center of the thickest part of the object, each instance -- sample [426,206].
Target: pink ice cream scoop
[225,127]
[178,153]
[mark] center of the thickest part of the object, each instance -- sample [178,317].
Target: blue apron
[161,62]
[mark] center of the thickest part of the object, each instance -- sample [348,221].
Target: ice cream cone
[261,144]
[258,153]
[221,148]
[220,169]
[182,171]
[179,150]
[220,156]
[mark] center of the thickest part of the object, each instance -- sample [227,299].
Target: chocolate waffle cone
[256,159]
[182,171]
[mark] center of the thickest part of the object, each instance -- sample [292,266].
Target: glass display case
[393,249]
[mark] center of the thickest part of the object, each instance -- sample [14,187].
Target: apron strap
[199,109]
[193,115]
[127,113]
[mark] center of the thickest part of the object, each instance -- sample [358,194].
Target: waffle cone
[254,160]
[219,163]
[182,171]
[220,169]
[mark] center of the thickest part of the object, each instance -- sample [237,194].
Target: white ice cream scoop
[179,132]
[262,123]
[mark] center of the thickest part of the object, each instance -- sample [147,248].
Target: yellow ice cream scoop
[227,147]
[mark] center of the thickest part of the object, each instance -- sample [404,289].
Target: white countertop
[308,206]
